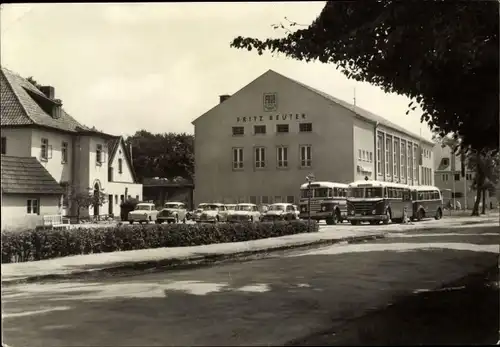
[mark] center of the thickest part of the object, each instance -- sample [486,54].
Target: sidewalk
[174,257]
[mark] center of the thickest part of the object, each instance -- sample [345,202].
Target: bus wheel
[330,221]
[388,215]
[439,214]
[373,222]
[354,222]
[420,215]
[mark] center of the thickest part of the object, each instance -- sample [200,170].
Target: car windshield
[142,207]
[172,206]
[243,208]
[231,208]
[276,208]
[211,207]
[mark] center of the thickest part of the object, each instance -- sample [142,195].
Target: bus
[328,201]
[376,201]
[427,202]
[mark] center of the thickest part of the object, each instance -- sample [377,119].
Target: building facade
[259,144]
[79,158]
[448,178]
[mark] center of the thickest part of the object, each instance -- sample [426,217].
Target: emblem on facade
[270,102]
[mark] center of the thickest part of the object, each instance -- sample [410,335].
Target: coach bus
[376,201]
[427,202]
[328,201]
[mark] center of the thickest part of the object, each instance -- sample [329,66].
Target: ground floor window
[290,199]
[265,200]
[33,206]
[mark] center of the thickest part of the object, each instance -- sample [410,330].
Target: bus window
[321,192]
[399,193]
[374,192]
[304,194]
[336,192]
[355,192]
[420,195]
[414,195]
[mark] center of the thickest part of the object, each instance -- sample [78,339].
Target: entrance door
[110,204]
[96,197]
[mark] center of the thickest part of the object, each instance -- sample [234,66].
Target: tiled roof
[358,110]
[25,175]
[19,108]
[113,145]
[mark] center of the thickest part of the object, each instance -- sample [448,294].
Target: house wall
[331,142]
[14,211]
[18,141]
[363,146]
[61,171]
[126,175]
[117,191]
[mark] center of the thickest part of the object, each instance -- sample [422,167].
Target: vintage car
[212,213]
[244,213]
[144,212]
[280,211]
[197,212]
[230,207]
[172,212]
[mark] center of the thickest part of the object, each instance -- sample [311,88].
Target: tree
[486,165]
[85,199]
[168,155]
[443,55]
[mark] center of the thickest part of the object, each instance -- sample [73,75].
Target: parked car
[280,211]
[245,213]
[230,207]
[212,213]
[172,212]
[144,212]
[197,212]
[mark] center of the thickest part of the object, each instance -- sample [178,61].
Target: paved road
[263,302]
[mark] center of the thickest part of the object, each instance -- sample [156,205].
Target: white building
[34,124]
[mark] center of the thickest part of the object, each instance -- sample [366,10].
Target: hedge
[54,243]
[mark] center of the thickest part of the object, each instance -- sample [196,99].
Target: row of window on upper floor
[280,129]
[46,152]
[445,177]
[282,157]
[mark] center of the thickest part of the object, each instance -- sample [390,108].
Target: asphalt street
[271,301]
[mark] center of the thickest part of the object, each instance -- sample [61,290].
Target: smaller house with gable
[38,132]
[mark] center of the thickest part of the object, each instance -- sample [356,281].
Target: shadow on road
[461,313]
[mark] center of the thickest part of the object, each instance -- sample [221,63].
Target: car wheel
[439,214]
[354,222]
[131,221]
[420,215]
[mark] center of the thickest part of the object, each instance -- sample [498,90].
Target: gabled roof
[360,112]
[25,175]
[19,108]
[113,145]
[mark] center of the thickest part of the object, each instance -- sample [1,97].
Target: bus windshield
[370,192]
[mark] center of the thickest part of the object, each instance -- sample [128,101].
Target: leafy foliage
[48,244]
[126,207]
[83,199]
[168,155]
[442,54]
[486,165]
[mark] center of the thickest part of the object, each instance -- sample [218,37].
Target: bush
[54,243]
[127,206]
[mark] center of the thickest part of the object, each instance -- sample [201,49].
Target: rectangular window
[122,199]
[4,145]
[259,129]
[371,157]
[238,131]
[98,154]
[116,199]
[415,164]
[282,128]
[120,165]
[445,177]
[380,139]
[409,162]
[457,195]
[457,177]
[282,156]
[305,155]
[305,127]
[265,200]
[359,154]
[277,200]
[44,149]
[363,156]
[396,158]
[290,199]
[402,172]
[237,158]
[388,150]
[253,200]
[65,198]
[260,157]
[468,177]
[64,152]
[32,206]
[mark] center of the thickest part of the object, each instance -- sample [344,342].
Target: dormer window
[446,161]
[98,155]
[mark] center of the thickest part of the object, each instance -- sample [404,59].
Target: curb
[133,268]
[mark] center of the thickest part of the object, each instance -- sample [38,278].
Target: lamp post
[310,179]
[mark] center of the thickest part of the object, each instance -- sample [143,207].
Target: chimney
[48,91]
[223,98]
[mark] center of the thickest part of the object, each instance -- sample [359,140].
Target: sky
[158,66]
